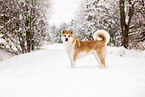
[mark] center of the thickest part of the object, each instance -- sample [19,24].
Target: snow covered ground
[47,73]
[5,55]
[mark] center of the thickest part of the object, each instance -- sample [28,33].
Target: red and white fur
[77,49]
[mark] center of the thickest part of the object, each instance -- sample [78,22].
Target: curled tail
[101,35]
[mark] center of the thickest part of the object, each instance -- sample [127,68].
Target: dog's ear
[71,31]
[63,31]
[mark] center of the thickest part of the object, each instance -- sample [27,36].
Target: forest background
[25,26]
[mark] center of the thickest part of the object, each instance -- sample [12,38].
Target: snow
[121,51]
[47,73]
[5,55]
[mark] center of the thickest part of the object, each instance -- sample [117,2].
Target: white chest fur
[70,50]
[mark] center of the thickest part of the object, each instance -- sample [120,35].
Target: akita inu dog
[77,48]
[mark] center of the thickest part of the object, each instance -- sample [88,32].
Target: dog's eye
[71,32]
[64,35]
[68,36]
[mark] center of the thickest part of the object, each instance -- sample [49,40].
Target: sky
[63,11]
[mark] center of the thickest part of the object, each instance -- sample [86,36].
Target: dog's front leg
[73,64]
[73,60]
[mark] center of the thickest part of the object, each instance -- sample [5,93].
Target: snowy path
[47,73]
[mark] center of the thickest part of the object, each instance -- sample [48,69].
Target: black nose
[66,39]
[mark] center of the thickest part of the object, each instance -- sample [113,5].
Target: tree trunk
[28,41]
[22,43]
[124,26]
[125,36]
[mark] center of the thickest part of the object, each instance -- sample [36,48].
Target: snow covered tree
[24,24]
[97,15]
[129,10]
[55,34]
[9,20]
[79,22]
[123,19]
[35,22]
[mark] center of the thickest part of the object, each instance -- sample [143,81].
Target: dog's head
[67,36]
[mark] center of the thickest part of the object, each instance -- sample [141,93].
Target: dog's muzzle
[66,39]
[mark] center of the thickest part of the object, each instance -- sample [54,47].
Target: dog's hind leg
[101,59]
